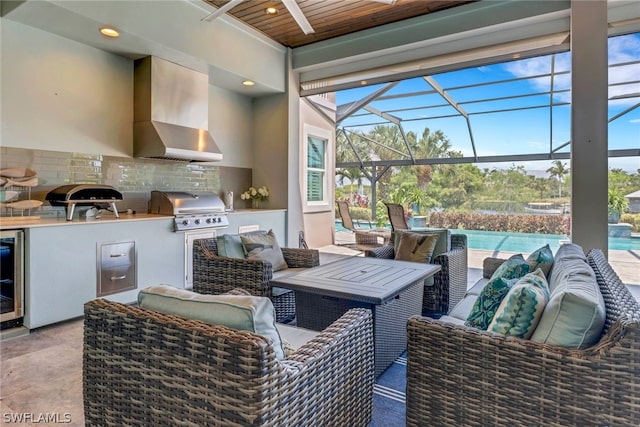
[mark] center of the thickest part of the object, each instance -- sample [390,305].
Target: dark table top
[365,279]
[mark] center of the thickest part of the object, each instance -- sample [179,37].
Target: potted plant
[617,205]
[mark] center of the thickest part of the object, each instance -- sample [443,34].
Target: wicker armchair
[145,368]
[214,274]
[366,238]
[463,376]
[449,284]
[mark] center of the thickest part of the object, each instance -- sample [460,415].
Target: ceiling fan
[291,6]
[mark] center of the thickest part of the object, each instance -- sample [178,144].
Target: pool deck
[625,263]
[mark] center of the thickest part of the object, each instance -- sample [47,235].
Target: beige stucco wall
[61,95]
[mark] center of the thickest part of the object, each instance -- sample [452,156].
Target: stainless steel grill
[192,211]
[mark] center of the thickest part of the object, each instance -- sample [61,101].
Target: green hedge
[540,224]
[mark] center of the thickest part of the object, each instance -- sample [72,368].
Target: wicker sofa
[450,283]
[214,274]
[458,375]
[145,368]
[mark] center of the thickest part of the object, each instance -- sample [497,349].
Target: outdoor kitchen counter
[8,223]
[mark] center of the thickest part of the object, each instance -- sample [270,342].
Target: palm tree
[559,170]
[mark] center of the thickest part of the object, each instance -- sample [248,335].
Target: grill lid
[184,203]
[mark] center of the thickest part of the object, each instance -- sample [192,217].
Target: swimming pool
[526,242]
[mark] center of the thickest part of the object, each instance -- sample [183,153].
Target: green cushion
[522,307]
[541,258]
[230,245]
[264,247]
[487,303]
[513,268]
[416,247]
[575,314]
[243,312]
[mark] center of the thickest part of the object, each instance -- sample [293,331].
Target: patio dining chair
[396,216]
[366,238]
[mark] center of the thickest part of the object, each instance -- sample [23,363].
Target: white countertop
[7,223]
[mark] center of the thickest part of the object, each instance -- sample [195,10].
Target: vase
[255,204]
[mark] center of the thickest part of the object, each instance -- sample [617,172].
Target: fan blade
[299,17]
[221,10]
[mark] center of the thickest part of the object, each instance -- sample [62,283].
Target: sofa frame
[146,368]
[458,375]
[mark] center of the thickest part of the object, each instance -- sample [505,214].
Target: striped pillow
[522,307]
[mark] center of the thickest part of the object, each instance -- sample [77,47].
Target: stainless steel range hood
[171,112]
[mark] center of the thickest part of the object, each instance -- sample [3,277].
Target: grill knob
[219,219]
[185,222]
[209,220]
[197,221]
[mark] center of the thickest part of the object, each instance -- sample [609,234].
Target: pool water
[525,242]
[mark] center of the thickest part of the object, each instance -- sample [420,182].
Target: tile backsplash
[134,178]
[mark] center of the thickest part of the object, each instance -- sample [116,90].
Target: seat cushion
[541,258]
[242,312]
[575,314]
[522,307]
[416,247]
[264,247]
[295,337]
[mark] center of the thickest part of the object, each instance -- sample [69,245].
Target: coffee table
[391,289]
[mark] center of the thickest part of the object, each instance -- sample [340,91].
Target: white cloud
[621,50]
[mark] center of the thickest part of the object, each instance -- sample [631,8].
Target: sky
[481,90]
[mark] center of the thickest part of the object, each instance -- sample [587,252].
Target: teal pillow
[230,245]
[541,258]
[242,312]
[487,302]
[522,307]
[513,268]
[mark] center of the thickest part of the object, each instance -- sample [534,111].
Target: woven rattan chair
[449,284]
[366,238]
[396,216]
[214,274]
[144,368]
[464,376]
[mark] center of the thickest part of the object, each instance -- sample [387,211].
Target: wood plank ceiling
[329,18]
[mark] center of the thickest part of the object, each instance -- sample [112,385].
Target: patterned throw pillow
[541,258]
[488,301]
[520,311]
[264,247]
[513,268]
[416,247]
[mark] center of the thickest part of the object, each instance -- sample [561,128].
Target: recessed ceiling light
[271,10]
[248,83]
[109,32]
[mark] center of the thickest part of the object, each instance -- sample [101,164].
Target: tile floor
[41,373]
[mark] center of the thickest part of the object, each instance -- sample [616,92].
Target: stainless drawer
[116,267]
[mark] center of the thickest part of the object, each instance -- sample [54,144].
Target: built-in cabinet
[68,264]
[61,264]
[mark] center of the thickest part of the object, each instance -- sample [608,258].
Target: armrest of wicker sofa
[385,251]
[490,265]
[147,368]
[483,378]
[450,283]
[297,257]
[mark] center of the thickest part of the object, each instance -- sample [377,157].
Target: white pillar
[589,161]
